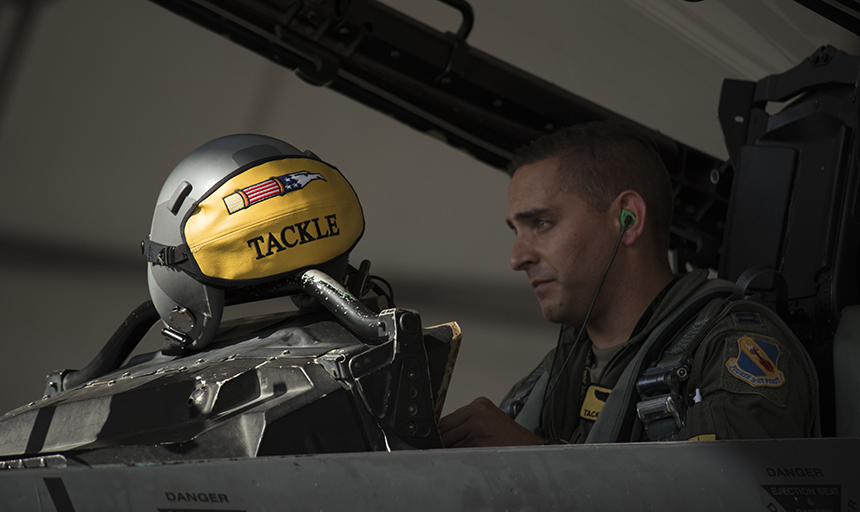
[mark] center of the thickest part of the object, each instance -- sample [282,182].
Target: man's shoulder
[748,352]
[698,284]
[690,293]
[726,319]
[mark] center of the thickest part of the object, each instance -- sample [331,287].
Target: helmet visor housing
[272,219]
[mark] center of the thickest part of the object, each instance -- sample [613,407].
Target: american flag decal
[272,187]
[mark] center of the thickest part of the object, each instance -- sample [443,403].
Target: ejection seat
[846,373]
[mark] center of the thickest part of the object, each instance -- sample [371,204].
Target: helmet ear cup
[627,220]
[189,308]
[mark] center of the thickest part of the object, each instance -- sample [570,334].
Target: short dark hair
[603,159]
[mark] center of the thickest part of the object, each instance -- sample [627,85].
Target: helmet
[237,212]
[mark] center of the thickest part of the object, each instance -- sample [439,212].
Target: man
[591,207]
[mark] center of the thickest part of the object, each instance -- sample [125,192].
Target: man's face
[561,244]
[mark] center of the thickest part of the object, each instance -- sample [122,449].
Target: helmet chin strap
[160,254]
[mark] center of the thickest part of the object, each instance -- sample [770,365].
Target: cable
[378,289]
[627,222]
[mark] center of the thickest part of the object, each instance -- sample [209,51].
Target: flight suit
[748,377]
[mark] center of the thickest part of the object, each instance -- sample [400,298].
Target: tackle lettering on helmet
[300,233]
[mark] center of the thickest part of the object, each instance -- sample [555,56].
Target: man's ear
[632,212]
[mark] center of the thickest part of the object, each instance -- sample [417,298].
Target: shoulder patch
[753,365]
[746,318]
[756,363]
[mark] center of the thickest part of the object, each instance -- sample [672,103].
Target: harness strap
[751,274]
[617,418]
[665,426]
[662,430]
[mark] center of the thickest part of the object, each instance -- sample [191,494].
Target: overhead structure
[438,84]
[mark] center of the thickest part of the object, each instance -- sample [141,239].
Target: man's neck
[621,311]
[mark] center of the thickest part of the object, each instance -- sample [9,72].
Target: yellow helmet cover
[273,218]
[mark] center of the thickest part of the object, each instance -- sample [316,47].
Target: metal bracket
[456,60]
[48,461]
[664,379]
[54,384]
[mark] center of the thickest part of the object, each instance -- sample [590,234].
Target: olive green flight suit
[749,382]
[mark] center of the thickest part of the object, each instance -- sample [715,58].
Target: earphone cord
[584,322]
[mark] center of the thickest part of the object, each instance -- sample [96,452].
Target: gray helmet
[239,211]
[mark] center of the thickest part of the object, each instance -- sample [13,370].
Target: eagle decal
[272,187]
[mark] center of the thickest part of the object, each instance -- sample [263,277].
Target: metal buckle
[660,388]
[658,408]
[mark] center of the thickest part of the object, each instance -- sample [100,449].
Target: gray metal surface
[273,385]
[773,475]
